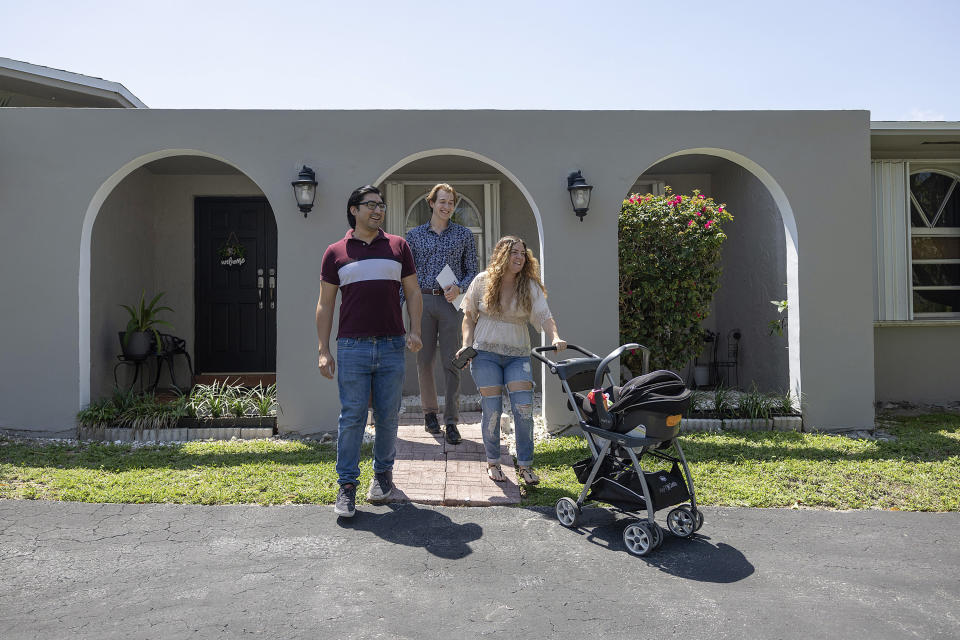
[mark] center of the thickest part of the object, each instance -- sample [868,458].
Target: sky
[899,60]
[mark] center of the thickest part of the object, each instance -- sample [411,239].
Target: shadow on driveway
[696,558]
[409,525]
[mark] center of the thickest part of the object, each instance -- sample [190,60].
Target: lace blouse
[505,333]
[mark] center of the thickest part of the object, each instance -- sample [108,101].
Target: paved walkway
[427,470]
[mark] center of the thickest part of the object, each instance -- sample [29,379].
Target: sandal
[495,472]
[528,476]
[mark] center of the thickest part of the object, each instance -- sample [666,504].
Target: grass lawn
[918,472]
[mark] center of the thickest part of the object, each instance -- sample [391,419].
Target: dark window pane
[935,248]
[930,189]
[936,301]
[951,213]
[936,275]
[915,219]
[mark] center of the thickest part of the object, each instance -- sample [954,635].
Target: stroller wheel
[657,535]
[639,538]
[681,522]
[699,517]
[568,513]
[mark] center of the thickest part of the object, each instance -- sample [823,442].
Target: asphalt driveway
[72,570]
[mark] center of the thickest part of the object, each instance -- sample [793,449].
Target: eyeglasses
[373,205]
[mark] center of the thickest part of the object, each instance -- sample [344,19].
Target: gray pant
[441,323]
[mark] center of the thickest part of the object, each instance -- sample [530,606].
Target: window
[466,214]
[935,243]
[478,209]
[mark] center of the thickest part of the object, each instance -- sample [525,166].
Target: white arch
[792,246]
[429,153]
[86,235]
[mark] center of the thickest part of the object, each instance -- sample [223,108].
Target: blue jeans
[368,367]
[494,370]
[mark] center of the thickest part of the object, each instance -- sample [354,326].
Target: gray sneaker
[381,487]
[346,504]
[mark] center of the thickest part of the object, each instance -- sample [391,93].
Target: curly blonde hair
[498,267]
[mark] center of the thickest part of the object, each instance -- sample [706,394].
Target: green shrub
[669,252]
[753,404]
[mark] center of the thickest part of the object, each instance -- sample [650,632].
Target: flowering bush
[669,250]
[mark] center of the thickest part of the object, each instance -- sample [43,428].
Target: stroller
[622,425]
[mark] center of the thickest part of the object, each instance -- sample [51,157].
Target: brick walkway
[427,470]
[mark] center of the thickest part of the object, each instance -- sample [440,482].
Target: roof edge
[71,81]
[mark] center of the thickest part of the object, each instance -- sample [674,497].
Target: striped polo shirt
[369,279]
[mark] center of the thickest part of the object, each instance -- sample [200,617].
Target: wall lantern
[579,193]
[305,189]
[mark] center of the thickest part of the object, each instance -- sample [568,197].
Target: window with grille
[935,243]
[466,214]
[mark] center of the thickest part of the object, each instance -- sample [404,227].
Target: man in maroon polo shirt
[368,267]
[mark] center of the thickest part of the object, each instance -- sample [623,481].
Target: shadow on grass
[695,558]
[119,458]
[412,526]
[920,439]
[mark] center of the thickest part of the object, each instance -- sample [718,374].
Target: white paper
[446,278]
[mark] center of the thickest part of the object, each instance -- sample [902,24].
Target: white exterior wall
[57,167]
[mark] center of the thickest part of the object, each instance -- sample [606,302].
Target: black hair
[357,197]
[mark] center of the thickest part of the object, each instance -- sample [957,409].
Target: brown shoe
[528,476]
[495,472]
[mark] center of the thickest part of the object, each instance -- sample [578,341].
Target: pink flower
[690,223]
[708,223]
[700,196]
[634,199]
[700,213]
[720,209]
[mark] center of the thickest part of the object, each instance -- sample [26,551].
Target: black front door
[236,304]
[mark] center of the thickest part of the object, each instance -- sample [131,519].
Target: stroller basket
[620,486]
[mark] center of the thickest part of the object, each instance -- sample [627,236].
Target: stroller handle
[536,351]
[606,420]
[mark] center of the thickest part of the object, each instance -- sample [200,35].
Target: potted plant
[141,335]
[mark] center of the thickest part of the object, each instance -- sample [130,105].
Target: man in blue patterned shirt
[436,244]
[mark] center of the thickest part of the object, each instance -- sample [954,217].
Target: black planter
[139,345]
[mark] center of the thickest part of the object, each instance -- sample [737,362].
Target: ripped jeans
[494,370]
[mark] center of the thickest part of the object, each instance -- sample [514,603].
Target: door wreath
[232,253]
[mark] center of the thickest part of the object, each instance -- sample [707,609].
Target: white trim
[946,322]
[792,244]
[929,231]
[396,192]
[892,238]
[450,151]
[394,222]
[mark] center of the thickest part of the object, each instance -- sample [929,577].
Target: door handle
[273,288]
[260,288]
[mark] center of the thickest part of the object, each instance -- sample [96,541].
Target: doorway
[235,286]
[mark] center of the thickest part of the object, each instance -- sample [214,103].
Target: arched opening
[494,203]
[158,225]
[759,265]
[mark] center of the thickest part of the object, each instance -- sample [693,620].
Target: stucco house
[857,224]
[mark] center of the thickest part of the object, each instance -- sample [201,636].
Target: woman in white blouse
[496,309]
